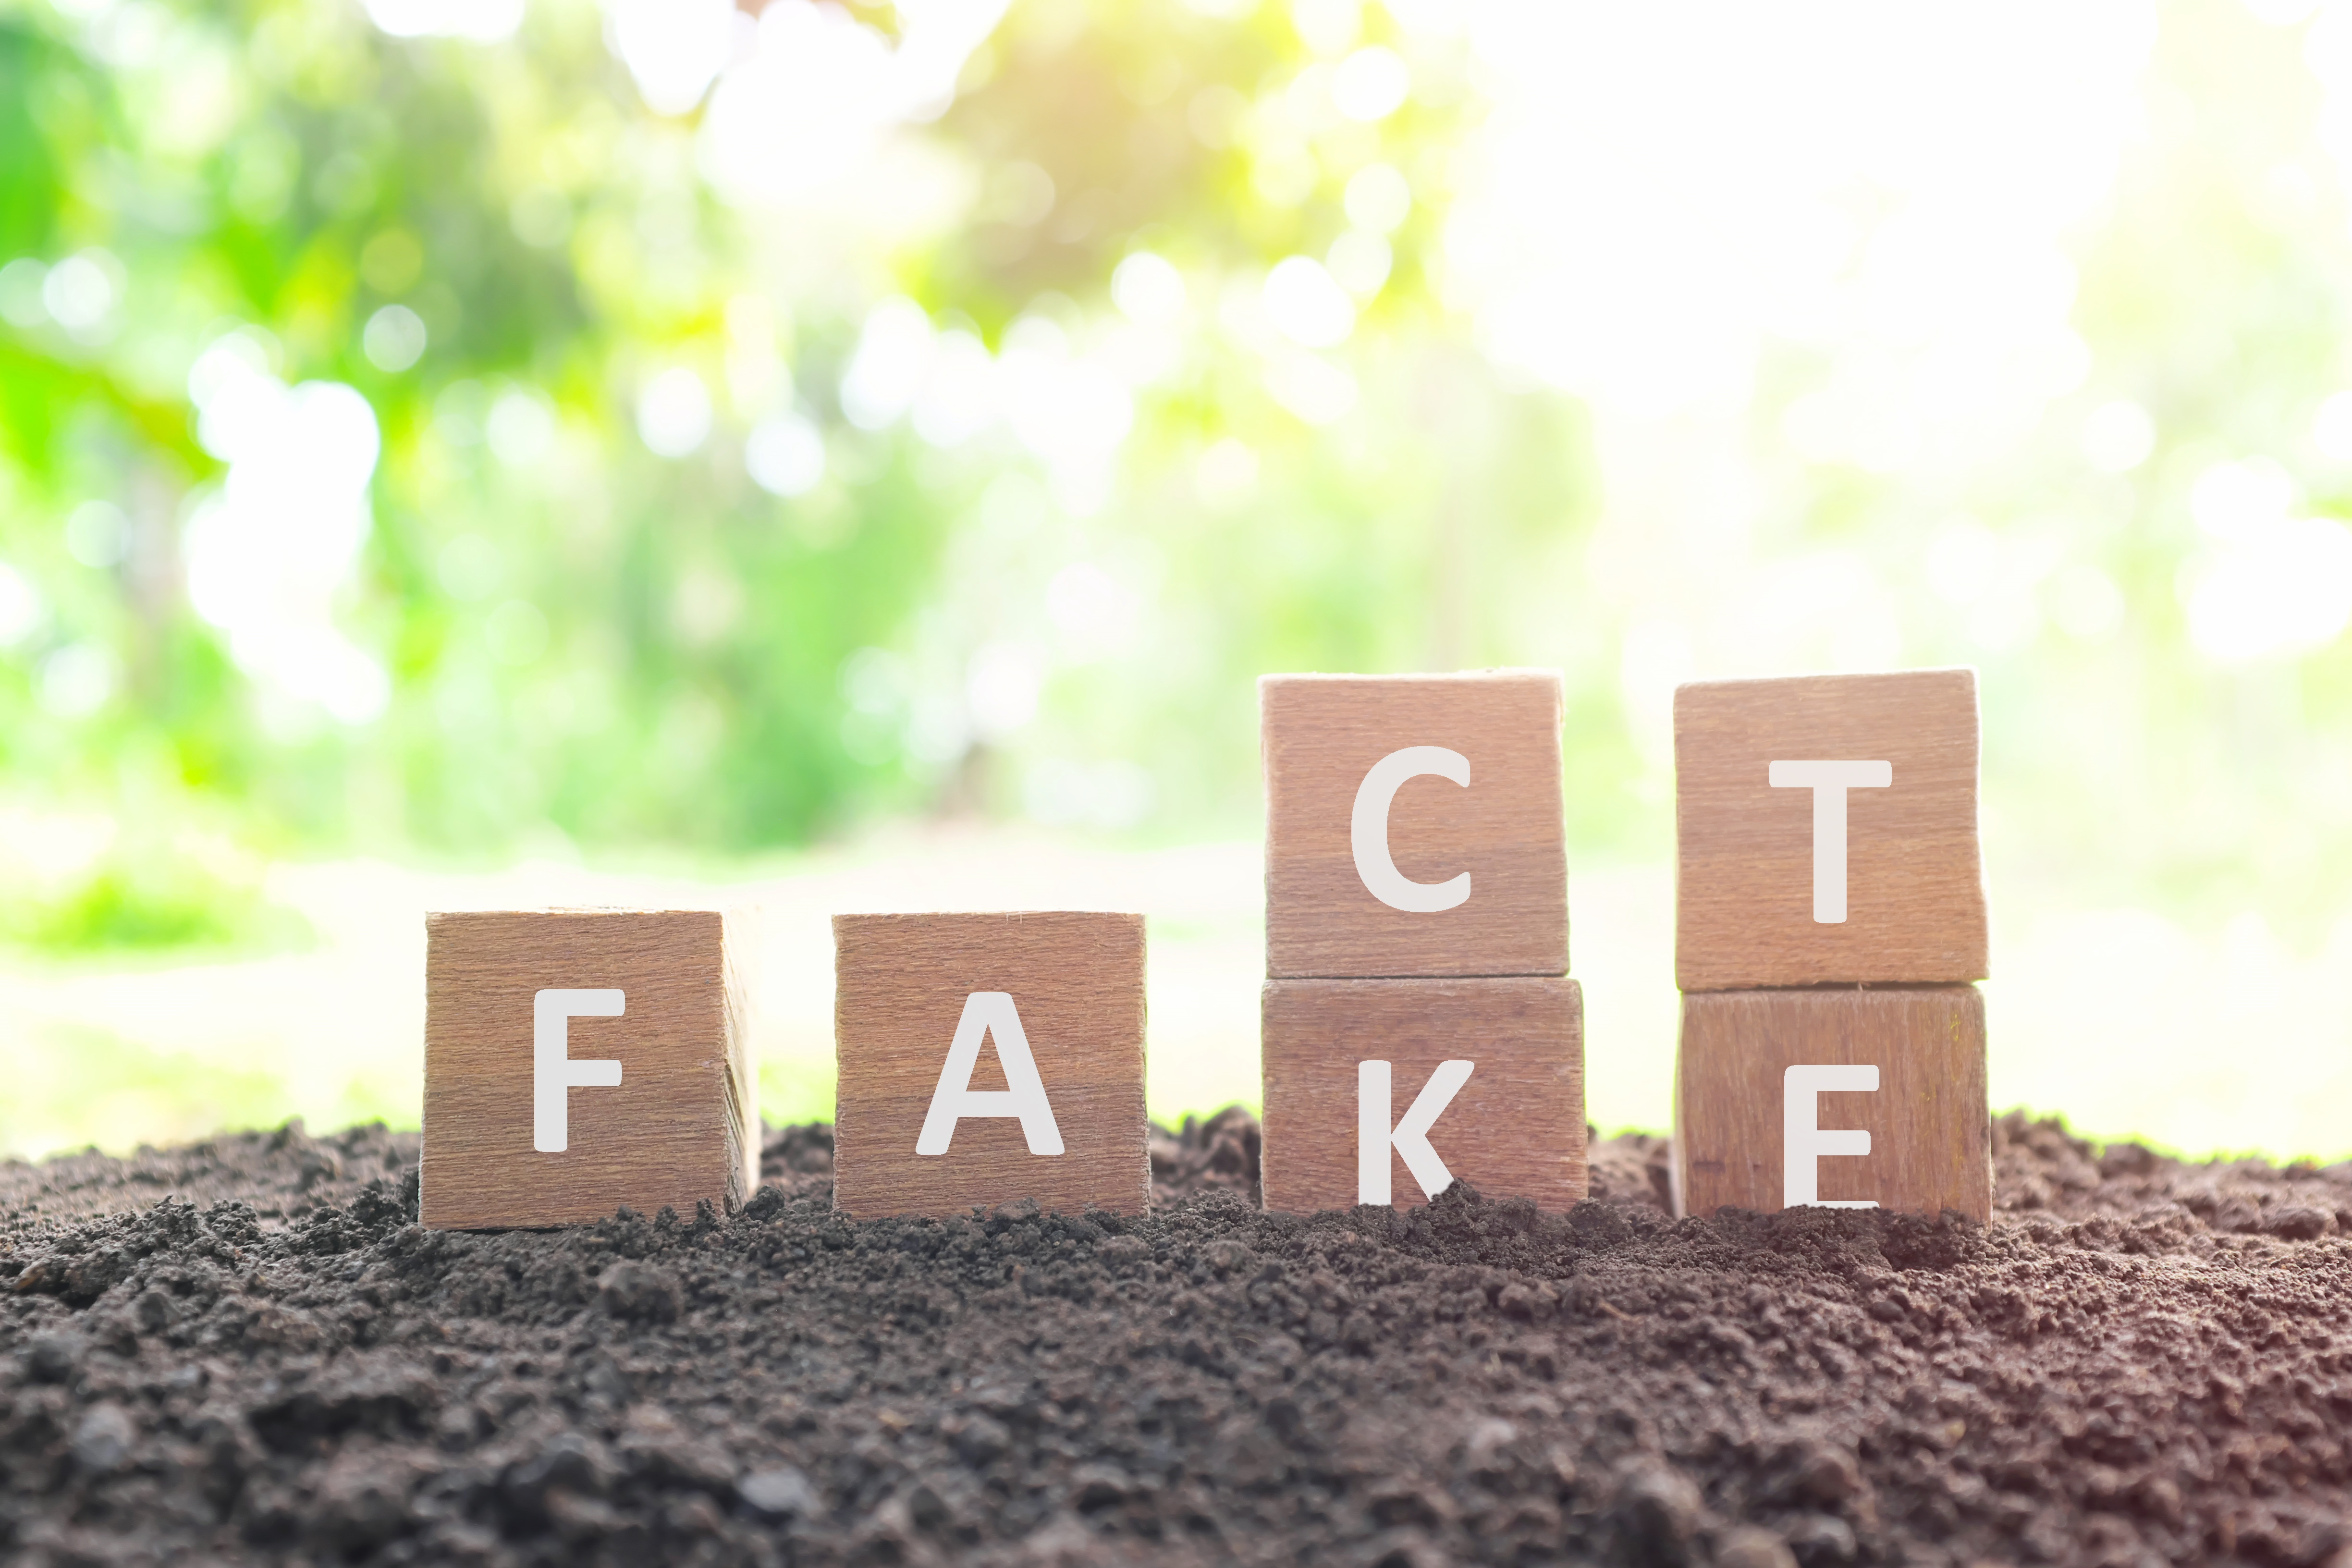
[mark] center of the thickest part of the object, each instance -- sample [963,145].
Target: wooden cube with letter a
[578,1060]
[984,1058]
[1414,825]
[1831,1097]
[1386,1090]
[1826,831]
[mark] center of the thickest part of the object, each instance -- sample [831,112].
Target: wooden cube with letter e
[985,1059]
[1414,825]
[579,1060]
[1834,1097]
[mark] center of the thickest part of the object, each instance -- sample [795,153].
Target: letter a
[1411,1139]
[986,1013]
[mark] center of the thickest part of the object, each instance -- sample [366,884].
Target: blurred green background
[477,450]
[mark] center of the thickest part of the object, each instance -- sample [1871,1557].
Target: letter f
[555,1070]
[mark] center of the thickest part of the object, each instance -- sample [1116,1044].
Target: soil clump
[248,1351]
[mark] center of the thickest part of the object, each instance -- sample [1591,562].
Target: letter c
[1369,830]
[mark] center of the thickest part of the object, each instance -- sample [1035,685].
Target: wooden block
[544,1108]
[1929,1133]
[931,1010]
[1414,825]
[1759,897]
[1514,1128]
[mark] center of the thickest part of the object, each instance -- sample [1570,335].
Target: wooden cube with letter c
[579,1060]
[1414,825]
[984,1058]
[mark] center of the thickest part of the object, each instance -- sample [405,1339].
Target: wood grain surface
[683,1123]
[1744,875]
[901,985]
[1320,734]
[1930,1129]
[1514,1130]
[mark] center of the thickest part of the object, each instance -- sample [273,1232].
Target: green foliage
[147,894]
[590,621]
[579,632]
[119,908]
[84,1078]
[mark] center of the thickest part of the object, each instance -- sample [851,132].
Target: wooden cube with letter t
[578,1060]
[1826,831]
[1414,825]
[984,1058]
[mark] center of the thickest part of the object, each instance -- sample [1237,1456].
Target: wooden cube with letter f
[577,1061]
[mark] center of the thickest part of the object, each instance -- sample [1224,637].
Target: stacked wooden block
[1830,924]
[1418,1026]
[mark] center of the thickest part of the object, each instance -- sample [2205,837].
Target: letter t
[1829,782]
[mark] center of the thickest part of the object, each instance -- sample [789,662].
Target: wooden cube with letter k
[1385,1092]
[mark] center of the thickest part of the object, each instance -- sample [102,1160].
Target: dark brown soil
[246,1351]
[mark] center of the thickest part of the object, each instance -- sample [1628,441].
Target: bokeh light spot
[2118,436]
[2275,588]
[1379,198]
[77,679]
[784,455]
[674,412]
[521,428]
[1306,305]
[21,610]
[393,339]
[97,535]
[80,292]
[1148,287]
[1371,84]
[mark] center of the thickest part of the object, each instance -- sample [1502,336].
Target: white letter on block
[987,1012]
[1802,1141]
[1411,1139]
[1829,782]
[1369,828]
[554,1071]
